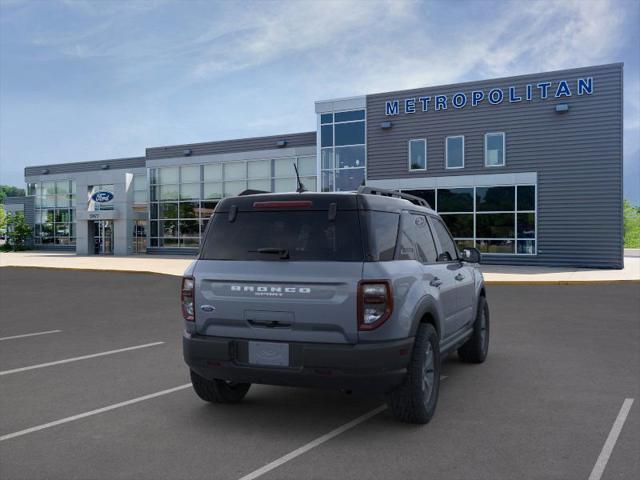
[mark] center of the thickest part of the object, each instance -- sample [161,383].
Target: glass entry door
[103,237]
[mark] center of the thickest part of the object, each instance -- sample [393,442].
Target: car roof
[322,200]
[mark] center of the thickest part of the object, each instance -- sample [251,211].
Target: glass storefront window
[526,197]
[495,199]
[496,246]
[262,185]
[349,133]
[307,166]
[213,172]
[343,148]
[54,212]
[234,188]
[455,200]
[189,191]
[460,225]
[327,159]
[213,190]
[349,179]
[183,198]
[495,225]
[259,169]
[189,209]
[190,174]
[283,167]
[349,157]
[235,170]
[168,175]
[501,220]
[169,192]
[284,185]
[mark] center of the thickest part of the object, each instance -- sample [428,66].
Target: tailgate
[279,301]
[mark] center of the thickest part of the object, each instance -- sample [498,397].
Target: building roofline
[270,142]
[468,82]
[92,165]
[228,140]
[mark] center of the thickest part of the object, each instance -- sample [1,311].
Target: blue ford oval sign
[102,197]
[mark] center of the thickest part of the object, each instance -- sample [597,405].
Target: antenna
[300,188]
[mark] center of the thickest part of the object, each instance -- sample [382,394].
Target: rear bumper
[376,367]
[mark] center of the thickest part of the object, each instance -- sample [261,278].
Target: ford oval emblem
[102,197]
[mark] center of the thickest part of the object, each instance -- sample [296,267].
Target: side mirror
[471,255]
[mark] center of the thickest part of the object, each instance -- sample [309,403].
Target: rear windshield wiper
[283,252]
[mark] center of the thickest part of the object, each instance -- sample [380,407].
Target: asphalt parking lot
[562,361]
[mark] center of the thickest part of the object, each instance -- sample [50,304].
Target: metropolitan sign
[493,96]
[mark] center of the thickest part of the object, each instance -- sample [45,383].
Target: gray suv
[360,291]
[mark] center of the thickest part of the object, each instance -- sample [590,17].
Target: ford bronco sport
[356,291]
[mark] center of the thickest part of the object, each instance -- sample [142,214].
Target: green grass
[631,225]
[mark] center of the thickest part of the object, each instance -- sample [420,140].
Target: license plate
[269,353]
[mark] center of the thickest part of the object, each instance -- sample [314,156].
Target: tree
[631,225]
[3,218]
[10,191]
[18,231]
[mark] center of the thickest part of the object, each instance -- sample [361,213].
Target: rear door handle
[436,282]
[459,277]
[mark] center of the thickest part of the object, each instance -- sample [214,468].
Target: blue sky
[88,80]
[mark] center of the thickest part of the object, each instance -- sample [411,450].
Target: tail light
[186,299]
[375,303]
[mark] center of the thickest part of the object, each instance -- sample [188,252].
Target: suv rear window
[284,235]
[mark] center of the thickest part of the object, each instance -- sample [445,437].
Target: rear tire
[475,349]
[218,391]
[415,400]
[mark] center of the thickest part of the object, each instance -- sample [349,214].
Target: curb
[632,281]
[562,282]
[81,269]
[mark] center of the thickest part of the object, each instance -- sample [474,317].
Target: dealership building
[527,169]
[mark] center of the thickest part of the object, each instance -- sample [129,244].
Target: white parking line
[601,463]
[75,359]
[92,412]
[29,335]
[314,443]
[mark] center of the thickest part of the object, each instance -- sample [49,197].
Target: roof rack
[394,193]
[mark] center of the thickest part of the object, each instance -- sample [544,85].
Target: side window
[448,248]
[424,241]
[416,241]
[406,239]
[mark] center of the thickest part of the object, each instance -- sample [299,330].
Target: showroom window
[183,198]
[418,154]
[494,219]
[342,150]
[494,150]
[54,212]
[454,151]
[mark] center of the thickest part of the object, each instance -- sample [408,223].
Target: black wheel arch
[427,312]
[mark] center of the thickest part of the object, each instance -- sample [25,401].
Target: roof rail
[394,193]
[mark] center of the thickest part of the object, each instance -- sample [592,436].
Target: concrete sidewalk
[175,265]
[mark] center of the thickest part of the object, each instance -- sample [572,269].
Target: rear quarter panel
[411,296]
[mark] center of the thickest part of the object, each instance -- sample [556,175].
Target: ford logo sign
[102,197]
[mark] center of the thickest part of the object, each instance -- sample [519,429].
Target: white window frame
[504,149]
[426,162]
[446,149]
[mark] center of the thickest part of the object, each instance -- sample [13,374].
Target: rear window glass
[284,236]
